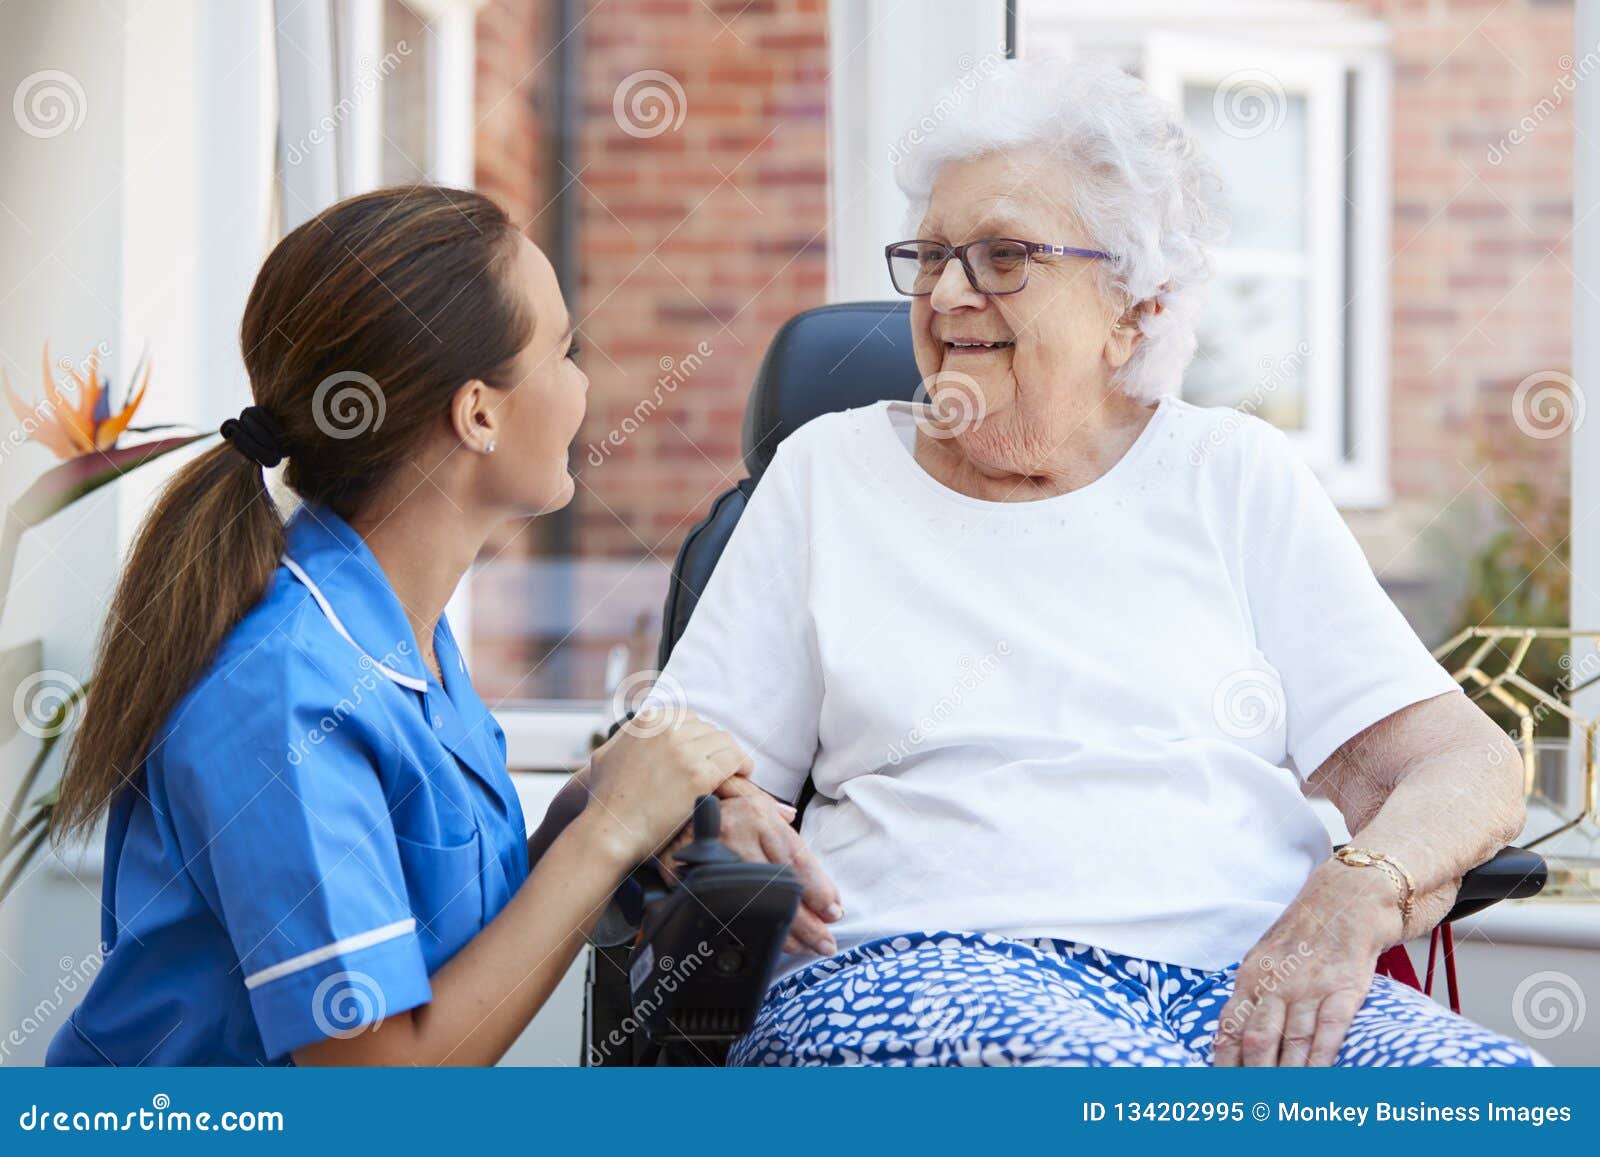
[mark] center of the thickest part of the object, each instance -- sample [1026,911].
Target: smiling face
[1037,358]
[546,409]
[532,422]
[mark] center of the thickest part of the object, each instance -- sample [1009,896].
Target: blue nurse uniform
[318,828]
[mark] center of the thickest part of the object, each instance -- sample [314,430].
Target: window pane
[1252,350]
[405,97]
[556,628]
[1257,139]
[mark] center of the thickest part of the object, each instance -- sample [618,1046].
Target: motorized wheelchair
[731,918]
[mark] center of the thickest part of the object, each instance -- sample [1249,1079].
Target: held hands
[643,781]
[1299,988]
[756,827]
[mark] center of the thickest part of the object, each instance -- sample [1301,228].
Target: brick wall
[698,236]
[1481,282]
[513,109]
[710,233]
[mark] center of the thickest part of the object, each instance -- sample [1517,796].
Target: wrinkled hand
[645,779]
[756,827]
[1299,988]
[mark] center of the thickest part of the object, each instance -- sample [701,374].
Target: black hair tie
[257,436]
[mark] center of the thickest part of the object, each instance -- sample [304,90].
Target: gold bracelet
[1404,884]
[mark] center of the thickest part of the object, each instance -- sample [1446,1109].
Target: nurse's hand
[643,781]
[757,826]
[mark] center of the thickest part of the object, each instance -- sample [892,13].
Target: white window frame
[1312,47]
[1171,63]
[451,59]
[890,64]
[1585,428]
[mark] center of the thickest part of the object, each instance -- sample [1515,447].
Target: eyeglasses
[994,265]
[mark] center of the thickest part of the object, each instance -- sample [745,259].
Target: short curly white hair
[1140,187]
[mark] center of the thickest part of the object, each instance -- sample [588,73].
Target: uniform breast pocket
[445,889]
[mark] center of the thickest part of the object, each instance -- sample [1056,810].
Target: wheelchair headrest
[834,357]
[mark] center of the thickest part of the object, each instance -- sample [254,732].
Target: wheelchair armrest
[1512,874]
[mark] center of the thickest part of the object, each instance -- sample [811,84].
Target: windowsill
[1539,922]
[551,735]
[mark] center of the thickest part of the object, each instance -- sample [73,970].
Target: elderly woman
[1065,655]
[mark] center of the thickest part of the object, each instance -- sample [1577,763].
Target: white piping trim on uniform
[327,609]
[329,951]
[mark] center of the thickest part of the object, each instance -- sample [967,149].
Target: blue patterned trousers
[947,998]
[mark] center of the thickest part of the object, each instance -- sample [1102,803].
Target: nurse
[314,853]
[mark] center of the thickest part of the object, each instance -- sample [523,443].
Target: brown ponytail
[361,325]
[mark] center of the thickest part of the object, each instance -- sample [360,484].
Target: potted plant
[85,428]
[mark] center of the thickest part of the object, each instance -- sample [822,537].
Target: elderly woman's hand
[1301,985]
[757,827]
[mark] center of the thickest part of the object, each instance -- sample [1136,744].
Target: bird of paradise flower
[68,430]
[84,431]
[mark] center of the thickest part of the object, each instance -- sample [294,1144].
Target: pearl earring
[491,446]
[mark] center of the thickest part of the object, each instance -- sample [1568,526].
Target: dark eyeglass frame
[959,252]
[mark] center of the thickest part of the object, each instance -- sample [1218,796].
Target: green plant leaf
[27,855]
[54,730]
[58,488]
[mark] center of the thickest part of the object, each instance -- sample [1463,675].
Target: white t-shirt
[1071,717]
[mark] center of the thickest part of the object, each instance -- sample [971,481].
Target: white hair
[1139,186]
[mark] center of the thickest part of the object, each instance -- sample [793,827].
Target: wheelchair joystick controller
[707,846]
[707,947]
